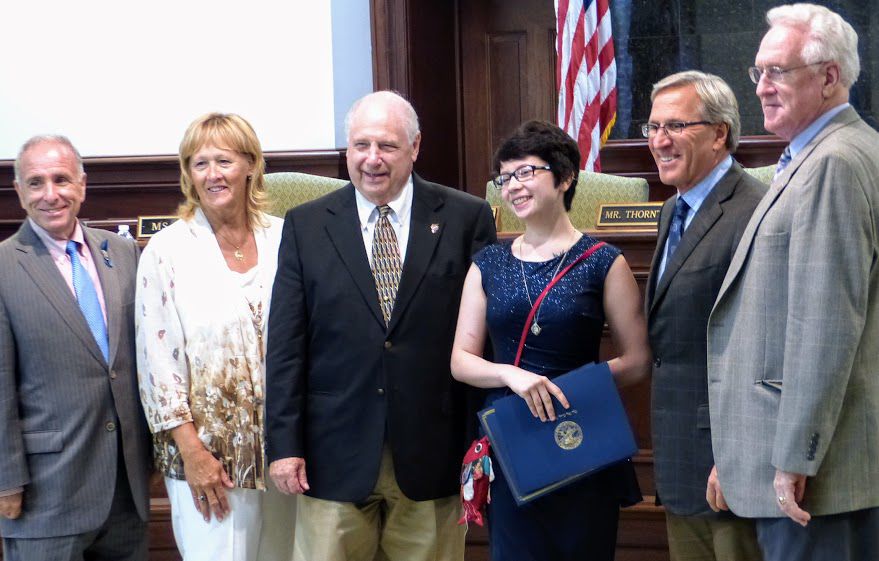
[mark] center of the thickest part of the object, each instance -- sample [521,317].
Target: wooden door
[507,76]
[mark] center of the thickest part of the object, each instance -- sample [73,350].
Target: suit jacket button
[110,426]
[388,344]
[381,391]
[113,375]
[657,362]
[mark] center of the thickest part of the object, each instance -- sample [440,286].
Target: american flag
[586,75]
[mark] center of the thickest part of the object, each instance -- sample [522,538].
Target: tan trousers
[387,526]
[693,538]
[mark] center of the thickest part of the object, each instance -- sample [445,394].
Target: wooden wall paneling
[501,87]
[415,45]
[505,56]
[119,189]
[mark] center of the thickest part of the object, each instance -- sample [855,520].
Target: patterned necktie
[386,265]
[676,230]
[782,163]
[88,301]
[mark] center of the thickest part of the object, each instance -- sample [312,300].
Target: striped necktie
[782,162]
[87,298]
[386,264]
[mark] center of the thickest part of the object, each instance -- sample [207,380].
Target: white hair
[46,138]
[829,37]
[410,118]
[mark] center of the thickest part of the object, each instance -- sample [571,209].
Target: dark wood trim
[631,158]
[122,188]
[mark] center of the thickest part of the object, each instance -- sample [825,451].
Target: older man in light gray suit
[793,339]
[75,448]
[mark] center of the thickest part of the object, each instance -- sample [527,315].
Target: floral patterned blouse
[200,346]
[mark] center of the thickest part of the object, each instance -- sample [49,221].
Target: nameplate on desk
[148,226]
[640,215]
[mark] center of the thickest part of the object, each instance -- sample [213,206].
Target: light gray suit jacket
[793,339]
[677,307]
[63,410]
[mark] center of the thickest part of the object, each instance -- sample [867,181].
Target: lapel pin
[434,228]
[106,253]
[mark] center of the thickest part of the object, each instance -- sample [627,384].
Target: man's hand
[10,506]
[289,475]
[713,492]
[789,491]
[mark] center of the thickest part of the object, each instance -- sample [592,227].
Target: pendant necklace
[239,255]
[535,327]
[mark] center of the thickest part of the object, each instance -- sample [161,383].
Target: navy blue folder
[540,457]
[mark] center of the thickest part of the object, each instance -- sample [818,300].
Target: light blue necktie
[676,230]
[88,301]
[782,162]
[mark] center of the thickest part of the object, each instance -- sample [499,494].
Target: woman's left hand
[536,390]
[208,482]
[207,479]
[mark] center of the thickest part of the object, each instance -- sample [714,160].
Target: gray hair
[410,118]
[829,37]
[46,138]
[719,104]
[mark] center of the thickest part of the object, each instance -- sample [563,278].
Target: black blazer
[677,309]
[339,384]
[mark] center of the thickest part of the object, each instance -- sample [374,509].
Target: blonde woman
[204,287]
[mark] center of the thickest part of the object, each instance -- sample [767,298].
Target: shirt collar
[57,247]
[401,206]
[799,142]
[697,195]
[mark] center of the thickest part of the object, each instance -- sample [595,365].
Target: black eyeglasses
[521,174]
[649,130]
[775,74]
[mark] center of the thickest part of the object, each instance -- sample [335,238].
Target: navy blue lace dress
[579,521]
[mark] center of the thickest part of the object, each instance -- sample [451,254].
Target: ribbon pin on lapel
[434,228]
[105,252]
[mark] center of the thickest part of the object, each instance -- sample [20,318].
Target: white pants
[259,525]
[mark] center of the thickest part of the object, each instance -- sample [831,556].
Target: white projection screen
[126,78]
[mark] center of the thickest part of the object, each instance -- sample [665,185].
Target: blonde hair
[230,132]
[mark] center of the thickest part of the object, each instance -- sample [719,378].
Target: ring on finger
[202,498]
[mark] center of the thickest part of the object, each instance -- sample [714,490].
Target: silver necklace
[535,327]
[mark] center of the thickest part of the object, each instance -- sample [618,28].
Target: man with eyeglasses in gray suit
[793,339]
[694,126]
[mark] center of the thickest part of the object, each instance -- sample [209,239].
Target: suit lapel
[709,213]
[425,230]
[110,288]
[37,262]
[344,231]
[744,247]
[661,236]
[844,118]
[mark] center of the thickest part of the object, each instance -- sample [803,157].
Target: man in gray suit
[793,340]
[75,461]
[693,128]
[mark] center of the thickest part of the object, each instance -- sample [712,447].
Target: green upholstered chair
[289,189]
[764,174]
[593,190]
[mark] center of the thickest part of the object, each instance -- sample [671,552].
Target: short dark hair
[549,143]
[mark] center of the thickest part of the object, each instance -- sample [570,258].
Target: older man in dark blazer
[75,446]
[363,415]
[693,128]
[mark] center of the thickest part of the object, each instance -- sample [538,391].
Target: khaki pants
[387,526]
[693,538]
